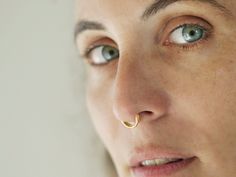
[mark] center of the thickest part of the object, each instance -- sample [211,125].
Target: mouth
[159,162]
[162,166]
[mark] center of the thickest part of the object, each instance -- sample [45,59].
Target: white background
[44,128]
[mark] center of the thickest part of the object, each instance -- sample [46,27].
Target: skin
[186,96]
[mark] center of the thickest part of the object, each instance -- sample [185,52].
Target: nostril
[146,113]
[150,115]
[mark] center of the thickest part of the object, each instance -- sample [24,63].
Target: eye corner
[166,43]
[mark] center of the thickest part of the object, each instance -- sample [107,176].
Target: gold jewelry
[132,124]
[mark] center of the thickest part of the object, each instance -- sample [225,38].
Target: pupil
[192,33]
[111,52]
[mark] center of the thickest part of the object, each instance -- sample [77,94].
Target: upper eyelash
[194,24]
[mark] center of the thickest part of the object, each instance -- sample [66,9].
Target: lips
[150,162]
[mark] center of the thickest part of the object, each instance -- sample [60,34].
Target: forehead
[98,9]
[106,10]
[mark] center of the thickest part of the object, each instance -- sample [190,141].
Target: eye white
[177,36]
[97,55]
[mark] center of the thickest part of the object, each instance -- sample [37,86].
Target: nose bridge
[126,82]
[134,91]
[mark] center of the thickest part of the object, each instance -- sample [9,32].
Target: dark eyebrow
[162,4]
[84,25]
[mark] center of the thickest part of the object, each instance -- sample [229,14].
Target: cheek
[100,109]
[223,103]
[213,107]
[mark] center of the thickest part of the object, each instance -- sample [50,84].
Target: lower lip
[162,170]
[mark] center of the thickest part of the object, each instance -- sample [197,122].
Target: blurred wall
[45,130]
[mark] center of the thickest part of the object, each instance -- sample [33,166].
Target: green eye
[187,34]
[103,54]
[109,53]
[192,33]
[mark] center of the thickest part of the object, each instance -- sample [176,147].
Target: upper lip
[150,153]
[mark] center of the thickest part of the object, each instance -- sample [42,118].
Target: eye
[102,54]
[187,34]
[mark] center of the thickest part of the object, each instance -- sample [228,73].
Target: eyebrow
[84,25]
[162,4]
[151,10]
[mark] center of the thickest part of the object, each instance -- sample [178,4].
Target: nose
[137,89]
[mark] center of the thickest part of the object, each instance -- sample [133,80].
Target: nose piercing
[132,124]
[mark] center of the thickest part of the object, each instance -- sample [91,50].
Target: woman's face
[172,62]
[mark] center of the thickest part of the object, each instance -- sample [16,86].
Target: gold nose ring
[132,124]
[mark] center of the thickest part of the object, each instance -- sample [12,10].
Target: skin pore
[175,66]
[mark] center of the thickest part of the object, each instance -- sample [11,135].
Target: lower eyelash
[194,45]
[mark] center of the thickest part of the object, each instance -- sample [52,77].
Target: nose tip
[125,108]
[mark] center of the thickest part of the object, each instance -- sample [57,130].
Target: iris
[109,53]
[192,33]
